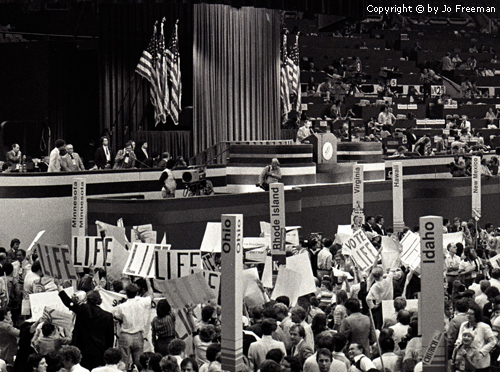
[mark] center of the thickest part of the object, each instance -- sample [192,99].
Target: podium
[324,147]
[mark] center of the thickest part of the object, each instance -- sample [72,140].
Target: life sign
[92,251]
[172,264]
[56,261]
[360,249]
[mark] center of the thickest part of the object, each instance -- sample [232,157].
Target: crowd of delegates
[63,158]
[338,327]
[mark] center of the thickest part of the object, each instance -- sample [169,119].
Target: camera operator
[270,174]
[125,158]
[457,168]
[167,181]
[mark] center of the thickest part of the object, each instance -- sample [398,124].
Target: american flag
[284,82]
[294,74]
[148,68]
[173,106]
[160,89]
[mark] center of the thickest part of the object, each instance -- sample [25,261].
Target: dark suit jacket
[368,227]
[378,230]
[357,328]
[100,157]
[93,332]
[302,350]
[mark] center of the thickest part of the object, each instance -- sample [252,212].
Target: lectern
[324,148]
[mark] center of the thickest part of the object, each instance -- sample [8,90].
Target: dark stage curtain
[235,74]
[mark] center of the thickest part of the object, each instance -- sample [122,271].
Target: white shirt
[132,314]
[325,259]
[107,153]
[108,368]
[311,365]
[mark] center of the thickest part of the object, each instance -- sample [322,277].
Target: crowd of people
[340,326]
[63,158]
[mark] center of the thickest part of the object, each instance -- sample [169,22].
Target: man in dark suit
[141,154]
[104,155]
[357,327]
[300,349]
[370,221]
[14,158]
[94,328]
[379,225]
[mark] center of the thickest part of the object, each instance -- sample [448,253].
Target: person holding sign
[382,289]
[133,328]
[94,328]
[270,174]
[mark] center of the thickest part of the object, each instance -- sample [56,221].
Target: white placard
[56,261]
[92,251]
[171,263]
[360,249]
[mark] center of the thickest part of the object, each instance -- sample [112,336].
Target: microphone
[137,160]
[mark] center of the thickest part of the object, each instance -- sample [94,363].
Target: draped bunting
[236,62]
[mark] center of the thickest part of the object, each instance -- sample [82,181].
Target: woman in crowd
[483,338]
[163,327]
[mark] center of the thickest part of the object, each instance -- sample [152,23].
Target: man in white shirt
[133,322]
[258,349]
[112,357]
[360,362]
[389,358]
[325,258]
[324,340]
[55,156]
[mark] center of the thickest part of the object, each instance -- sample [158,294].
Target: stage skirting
[31,202]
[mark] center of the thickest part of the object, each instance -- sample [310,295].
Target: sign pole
[431,306]
[278,230]
[397,196]
[79,207]
[358,199]
[231,294]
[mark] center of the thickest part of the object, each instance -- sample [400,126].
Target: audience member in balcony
[55,156]
[495,59]
[125,158]
[104,155]
[468,89]
[491,116]
[411,138]
[473,49]
[335,110]
[447,67]
[312,87]
[426,79]
[421,144]
[493,166]
[71,162]
[465,124]
[325,88]
[399,153]
[413,94]
[363,46]
[312,67]
[456,61]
